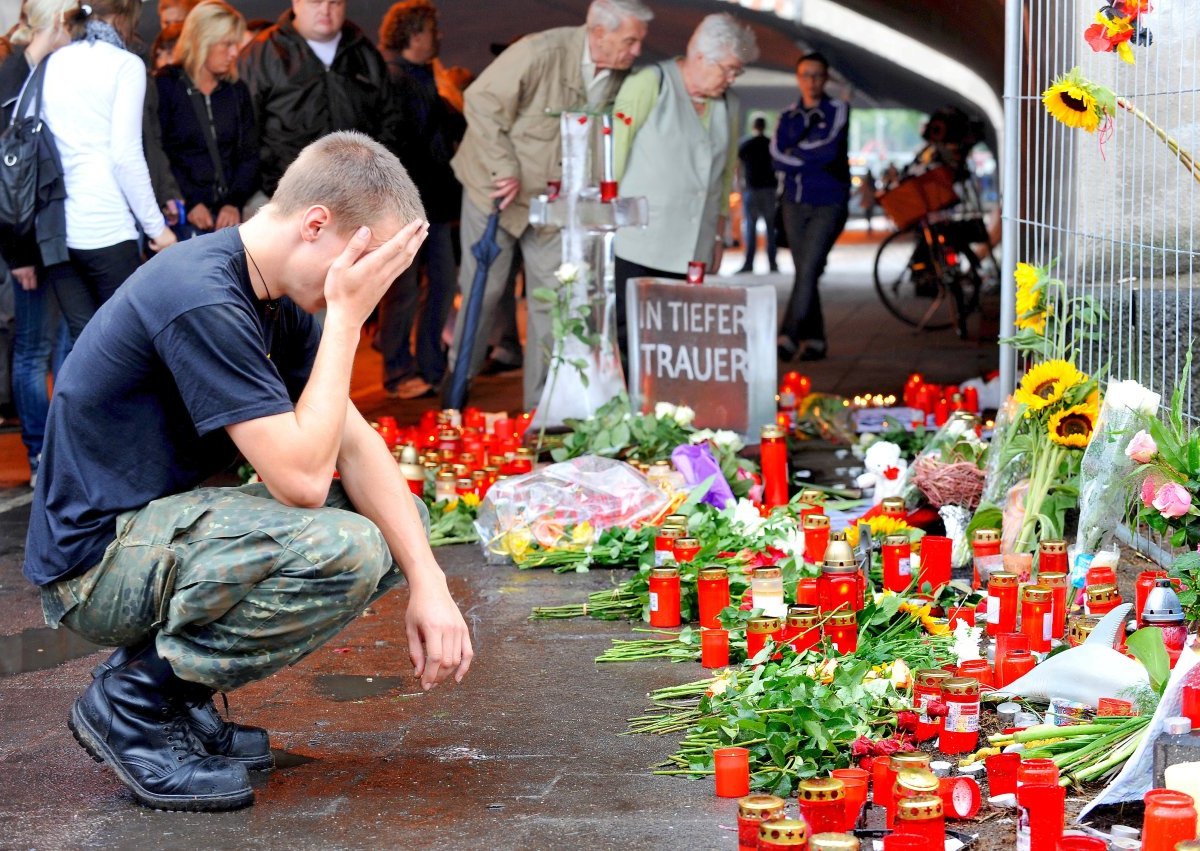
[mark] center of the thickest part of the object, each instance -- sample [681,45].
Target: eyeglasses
[732,71]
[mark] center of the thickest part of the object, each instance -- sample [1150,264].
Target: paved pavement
[527,753]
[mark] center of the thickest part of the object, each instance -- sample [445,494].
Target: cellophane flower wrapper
[1004,467]
[697,464]
[548,503]
[1105,471]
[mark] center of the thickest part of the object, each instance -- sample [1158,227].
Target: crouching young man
[209,349]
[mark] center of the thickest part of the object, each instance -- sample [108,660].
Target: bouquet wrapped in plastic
[566,504]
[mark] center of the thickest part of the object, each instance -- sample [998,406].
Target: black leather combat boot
[247,745]
[134,719]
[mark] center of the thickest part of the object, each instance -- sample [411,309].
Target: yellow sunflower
[1071,103]
[881,527]
[1028,292]
[1073,426]
[1046,383]
[1033,321]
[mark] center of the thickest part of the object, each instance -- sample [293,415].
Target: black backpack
[21,149]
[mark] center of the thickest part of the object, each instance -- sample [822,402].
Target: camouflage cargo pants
[236,584]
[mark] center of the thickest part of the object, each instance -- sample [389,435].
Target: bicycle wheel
[908,282]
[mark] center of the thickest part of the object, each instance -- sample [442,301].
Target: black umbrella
[485,252]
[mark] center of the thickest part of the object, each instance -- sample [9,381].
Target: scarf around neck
[98,30]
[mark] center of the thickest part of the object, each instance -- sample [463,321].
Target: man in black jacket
[312,73]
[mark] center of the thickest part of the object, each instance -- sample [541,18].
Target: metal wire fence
[1116,210]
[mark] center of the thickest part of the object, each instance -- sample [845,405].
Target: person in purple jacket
[810,149]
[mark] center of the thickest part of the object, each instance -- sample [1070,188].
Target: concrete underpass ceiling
[970,32]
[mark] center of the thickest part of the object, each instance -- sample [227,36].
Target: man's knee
[351,545]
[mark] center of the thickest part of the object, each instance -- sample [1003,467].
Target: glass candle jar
[1142,588]
[1079,628]
[833,842]
[732,772]
[1002,603]
[1102,599]
[811,502]
[1037,770]
[977,669]
[1037,616]
[712,595]
[1057,583]
[782,835]
[804,628]
[816,538]
[664,597]
[1041,811]
[808,591]
[921,815]
[714,648]
[1170,818]
[1079,842]
[896,763]
[1015,664]
[927,687]
[758,630]
[773,457]
[766,585]
[822,804]
[1052,557]
[444,486]
[897,563]
[934,569]
[838,589]
[753,810]
[894,507]
[961,798]
[960,728]
[841,628]
[914,781]
[664,544]
[903,842]
[985,549]
[523,462]
[685,549]
[1101,575]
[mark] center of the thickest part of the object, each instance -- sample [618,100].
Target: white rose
[684,415]
[727,439]
[746,516]
[664,410]
[701,436]
[567,273]
[1132,396]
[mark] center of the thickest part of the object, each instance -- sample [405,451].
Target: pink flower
[1142,448]
[1149,489]
[1172,500]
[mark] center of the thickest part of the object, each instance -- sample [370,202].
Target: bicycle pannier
[920,195]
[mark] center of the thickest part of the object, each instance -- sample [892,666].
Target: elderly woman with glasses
[675,139]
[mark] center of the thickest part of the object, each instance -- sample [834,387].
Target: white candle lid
[1177,725]
[1124,830]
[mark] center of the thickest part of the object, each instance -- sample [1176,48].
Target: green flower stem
[1182,155]
[1047,459]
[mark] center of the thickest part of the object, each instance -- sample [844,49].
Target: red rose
[936,709]
[862,746]
[906,720]
[887,747]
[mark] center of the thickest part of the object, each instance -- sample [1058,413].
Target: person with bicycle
[810,149]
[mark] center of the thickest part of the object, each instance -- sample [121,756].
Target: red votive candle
[1038,770]
[753,810]
[816,538]
[1015,664]
[927,687]
[695,272]
[664,544]
[935,561]
[823,804]
[1043,807]
[841,628]
[712,595]
[977,669]
[773,455]
[856,799]
[921,815]
[1057,583]
[732,772]
[897,563]
[782,835]
[1002,772]
[960,795]
[1037,617]
[903,842]
[1190,696]
[1103,575]
[808,591]
[714,648]
[1052,557]
[1002,603]
[1102,599]
[838,586]
[608,192]
[985,548]
[1079,842]
[685,549]
[664,597]
[1142,589]
[1170,818]
[960,727]
[758,630]
[804,628]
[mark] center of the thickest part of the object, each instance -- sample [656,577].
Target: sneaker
[746,270]
[414,388]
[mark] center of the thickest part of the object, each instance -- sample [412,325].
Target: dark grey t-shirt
[182,350]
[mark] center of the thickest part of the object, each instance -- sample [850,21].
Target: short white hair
[721,37]
[610,14]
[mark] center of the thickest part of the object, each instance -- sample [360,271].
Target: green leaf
[1147,647]
[545,294]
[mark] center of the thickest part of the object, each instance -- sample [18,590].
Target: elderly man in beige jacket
[512,149]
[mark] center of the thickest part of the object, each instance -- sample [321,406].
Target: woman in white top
[93,100]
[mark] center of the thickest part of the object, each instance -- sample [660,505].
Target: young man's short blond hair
[359,180]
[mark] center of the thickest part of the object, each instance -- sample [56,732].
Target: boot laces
[179,735]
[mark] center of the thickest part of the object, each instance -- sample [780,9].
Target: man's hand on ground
[358,278]
[506,190]
[439,642]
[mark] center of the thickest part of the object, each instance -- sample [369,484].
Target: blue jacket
[810,150]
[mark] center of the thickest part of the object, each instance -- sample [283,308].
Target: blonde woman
[44,27]
[207,118]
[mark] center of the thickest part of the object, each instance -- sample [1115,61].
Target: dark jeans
[399,306]
[625,270]
[37,323]
[89,279]
[759,204]
[811,233]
